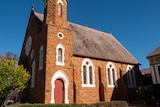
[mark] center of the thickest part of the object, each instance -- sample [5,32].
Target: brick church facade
[71,63]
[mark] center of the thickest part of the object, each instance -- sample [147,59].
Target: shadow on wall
[123,91]
[128,85]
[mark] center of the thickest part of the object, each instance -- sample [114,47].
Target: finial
[33,7]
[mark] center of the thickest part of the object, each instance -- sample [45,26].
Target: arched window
[60,55]
[88,79]
[33,74]
[41,58]
[59,9]
[111,75]
[131,77]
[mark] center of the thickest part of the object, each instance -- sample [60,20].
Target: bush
[110,104]
[156,93]
[99,104]
[150,94]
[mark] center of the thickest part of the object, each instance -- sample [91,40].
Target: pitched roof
[155,52]
[88,42]
[146,71]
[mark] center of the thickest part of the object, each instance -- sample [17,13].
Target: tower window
[60,55]
[59,9]
[60,50]
[60,35]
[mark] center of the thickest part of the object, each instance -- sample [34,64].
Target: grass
[99,104]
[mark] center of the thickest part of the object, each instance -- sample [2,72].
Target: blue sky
[135,23]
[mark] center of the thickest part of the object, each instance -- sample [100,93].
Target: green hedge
[99,104]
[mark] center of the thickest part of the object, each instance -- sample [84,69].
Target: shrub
[99,104]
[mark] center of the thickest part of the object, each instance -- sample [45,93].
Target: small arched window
[60,55]
[111,75]
[60,50]
[33,74]
[41,58]
[131,77]
[59,9]
[88,79]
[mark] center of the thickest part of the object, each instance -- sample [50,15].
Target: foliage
[156,93]
[99,104]
[9,56]
[150,94]
[145,92]
[13,77]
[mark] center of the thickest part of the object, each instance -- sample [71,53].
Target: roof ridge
[154,52]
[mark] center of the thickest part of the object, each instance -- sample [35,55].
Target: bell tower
[58,62]
[55,12]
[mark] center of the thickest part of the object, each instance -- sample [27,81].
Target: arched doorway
[59,91]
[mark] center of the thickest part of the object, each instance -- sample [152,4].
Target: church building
[71,63]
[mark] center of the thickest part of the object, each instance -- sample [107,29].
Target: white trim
[60,33]
[60,1]
[60,7]
[153,75]
[157,74]
[131,76]
[60,75]
[87,60]
[63,57]
[111,66]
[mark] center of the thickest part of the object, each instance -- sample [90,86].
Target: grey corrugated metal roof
[155,52]
[97,44]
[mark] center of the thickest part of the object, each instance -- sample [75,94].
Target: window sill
[60,64]
[88,85]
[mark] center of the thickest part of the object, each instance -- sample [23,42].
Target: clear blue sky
[135,23]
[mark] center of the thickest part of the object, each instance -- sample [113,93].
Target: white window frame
[60,33]
[153,75]
[60,5]
[112,67]
[41,54]
[131,79]
[157,75]
[61,63]
[88,63]
[33,74]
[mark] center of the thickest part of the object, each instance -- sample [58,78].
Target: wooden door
[59,91]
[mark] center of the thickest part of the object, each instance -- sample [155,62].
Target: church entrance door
[59,91]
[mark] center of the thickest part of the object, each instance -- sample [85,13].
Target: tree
[13,77]
[9,56]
